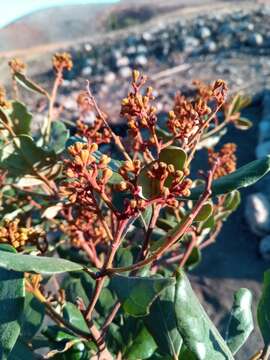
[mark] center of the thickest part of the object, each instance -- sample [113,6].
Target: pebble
[255,39]
[125,72]
[257,214]
[122,61]
[141,60]
[204,32]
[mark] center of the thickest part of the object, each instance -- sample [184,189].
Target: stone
[264,248]
[191,43]
[262,149]
[125,72]
[109,77]
[255,39]
[122,61]
[210,46]
[87,71]
[141,49]
[141,60]
[257,214]
[204,32]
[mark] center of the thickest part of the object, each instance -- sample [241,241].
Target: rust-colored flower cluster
[227,159]
[140,114]
[17,65]
[17,236]
[188,117]
[4,103]
[62,61]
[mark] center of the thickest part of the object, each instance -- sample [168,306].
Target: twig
[102,117]
[178,234]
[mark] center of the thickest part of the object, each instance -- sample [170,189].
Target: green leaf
[21,351]
[161,323]
[232,200]
[245,176]
[74,316]
[12,303]
[138,293]
[21,156]
[36,264]
[170,155]
[29,84]
[198,332]
[205,212]
[240,324]
[33,315]
[263,310]
[173,155]
[142,347]
[243,124]
[194,259]
[20,118]
[58,137]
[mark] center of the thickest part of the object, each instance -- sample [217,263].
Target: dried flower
[62,61]
[227,159]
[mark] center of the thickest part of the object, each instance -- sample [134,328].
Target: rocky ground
[233,43]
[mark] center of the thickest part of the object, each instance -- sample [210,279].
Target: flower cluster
[17,65]
[62,61]
[18,236]
[4,103]
[140,114]
[227,159]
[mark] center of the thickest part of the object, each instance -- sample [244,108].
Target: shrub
[123,220]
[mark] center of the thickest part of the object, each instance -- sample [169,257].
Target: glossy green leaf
[74,316]
[33,315]
[21,351]
[21,156]
[142,347]
[263,310]
[173,155]
[170,155]
[232,200]
[58,137]
[29,84]
[138,293]
[240,324]
[205,212]
[20,118]
[12,304]
[198,332]
[194,258]
[36,264]
[161,323]
[245,176]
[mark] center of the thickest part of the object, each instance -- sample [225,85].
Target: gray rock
[87,71]
[147,37]
[141,60]
[109,78]
[210,46]
[204,32]
[255,39]
[122,61]
[262,149]
[141,49]
[264,248]
[125,72]
[257,214]
[191,43]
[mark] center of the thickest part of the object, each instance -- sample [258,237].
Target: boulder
[257,214]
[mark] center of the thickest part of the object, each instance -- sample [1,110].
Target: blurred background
[173,42]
